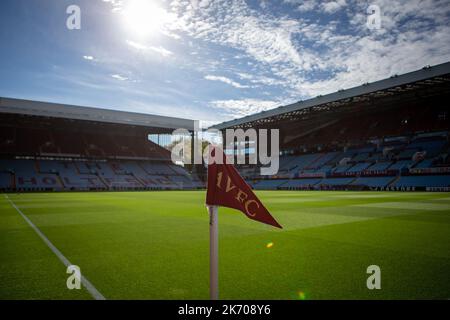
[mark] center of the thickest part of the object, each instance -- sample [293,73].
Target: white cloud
[88,58]
[303,5]
[244,107]
[314,57]
[226,80]
[119,77]
[136,45]
[297,53]
[265,39]
[333,6]
[258,79]
[160,50]
[117,5]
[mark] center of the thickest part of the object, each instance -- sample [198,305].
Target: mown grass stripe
[85,282]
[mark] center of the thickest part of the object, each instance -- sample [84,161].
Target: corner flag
[227,188]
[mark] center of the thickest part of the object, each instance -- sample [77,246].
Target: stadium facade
[387,135]
[391,134]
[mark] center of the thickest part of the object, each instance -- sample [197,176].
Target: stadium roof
[398,83]
[55,110]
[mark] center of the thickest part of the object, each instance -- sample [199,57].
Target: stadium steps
[77,168]
[60,180]
[139,180]
[102,180]
[13,181]
[313,160]
[309,165]
[173,172]
[36,166]
[352,181]
[143,168]
[394,181]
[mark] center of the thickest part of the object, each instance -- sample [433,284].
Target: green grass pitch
[154,245]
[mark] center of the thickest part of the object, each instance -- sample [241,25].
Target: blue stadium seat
[373,181]
[423,181]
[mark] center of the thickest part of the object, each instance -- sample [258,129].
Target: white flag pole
[213,252]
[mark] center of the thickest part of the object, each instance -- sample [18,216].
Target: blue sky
[211,60]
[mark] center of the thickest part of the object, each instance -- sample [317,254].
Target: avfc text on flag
[227,188]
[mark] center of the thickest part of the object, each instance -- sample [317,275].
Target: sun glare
[144,17]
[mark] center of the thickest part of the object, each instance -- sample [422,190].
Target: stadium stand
[379,182]
[5,181]
[61,148]
[39,175]
[359,167]
[423,181]
[367,170]
[392,134]
[379,166]
[300,183]
[269,184]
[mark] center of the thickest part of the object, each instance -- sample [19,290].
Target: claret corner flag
[227,188]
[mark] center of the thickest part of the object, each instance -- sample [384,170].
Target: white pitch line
[86,283]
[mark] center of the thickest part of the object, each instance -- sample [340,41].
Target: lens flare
[301,295]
